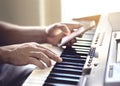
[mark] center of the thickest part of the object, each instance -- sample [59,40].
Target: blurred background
[46,12]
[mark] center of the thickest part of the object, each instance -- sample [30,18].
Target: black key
[68,66]
[67,70]
[57,84]
[71,63]
[73,60]
[74,56]
[62,80]
[72,76]
[69,51]
[66,75]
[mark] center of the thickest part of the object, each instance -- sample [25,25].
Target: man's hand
[28,53]
[57,31]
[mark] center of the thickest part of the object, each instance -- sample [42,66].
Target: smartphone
[78,32]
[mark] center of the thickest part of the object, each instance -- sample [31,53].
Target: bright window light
[80,8]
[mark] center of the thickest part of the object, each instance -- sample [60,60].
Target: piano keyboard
[76,58]
[69,72]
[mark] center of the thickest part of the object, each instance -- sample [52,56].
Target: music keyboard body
[101,44]
[87,62]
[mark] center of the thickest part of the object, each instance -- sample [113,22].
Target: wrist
[43,35]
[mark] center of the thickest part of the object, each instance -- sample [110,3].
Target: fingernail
[60,60]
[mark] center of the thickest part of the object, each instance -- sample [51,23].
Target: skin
[20,45]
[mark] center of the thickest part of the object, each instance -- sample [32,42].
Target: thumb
[61,35]
[65,29]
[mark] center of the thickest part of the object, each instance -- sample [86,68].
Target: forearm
[30,34]
[10,34]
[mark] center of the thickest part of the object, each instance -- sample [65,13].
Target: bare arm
[11,34]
